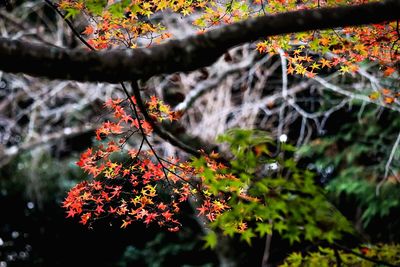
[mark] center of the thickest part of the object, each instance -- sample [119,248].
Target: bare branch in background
[8,154]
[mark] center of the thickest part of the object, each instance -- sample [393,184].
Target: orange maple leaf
[386,91]
[126,223]
[389,71]
[88,30]
[389,100]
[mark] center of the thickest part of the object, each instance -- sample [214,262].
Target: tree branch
[159,130]
[179,55]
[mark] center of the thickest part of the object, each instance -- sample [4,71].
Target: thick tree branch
[179,55]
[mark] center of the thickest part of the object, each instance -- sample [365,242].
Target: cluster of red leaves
[213,204]
[212,208]
[140,187]
[136,192]
[132,189]
[116,23]
[309,52]
[342,50]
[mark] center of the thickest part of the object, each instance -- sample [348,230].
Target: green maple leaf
[264,229]
[211,240]
[247,236]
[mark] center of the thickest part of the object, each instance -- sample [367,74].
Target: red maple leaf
[99,209]
[71,213]
[202,210]
[150,217]
[167,215]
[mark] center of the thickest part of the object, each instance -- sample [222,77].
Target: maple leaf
[344,69]
[325,62]
[98,200]
[389,71]
[88,30]
[173,229]
[211,216]
[261,47]
[71,213]
[310,74]
[167,215]
[85,217]
[242,227]
[374,96]
[290,69]
[389,100]
[161,206]
[386,91]
[146,127]
[150,217]
[122,210]
[308,58]
[142,213]
[105,196]
[125,223]
[315,65]
[202,210]
[97,185]
[99,209]
[325,41]
[112,210]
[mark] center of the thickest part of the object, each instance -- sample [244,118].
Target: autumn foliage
[133,183]
[140,185]
[129,24]
[134,186]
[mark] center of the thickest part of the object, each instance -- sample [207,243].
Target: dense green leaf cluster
[267,194]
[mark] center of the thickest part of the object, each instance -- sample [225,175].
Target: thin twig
[267,249]
[388,163]
[69,23]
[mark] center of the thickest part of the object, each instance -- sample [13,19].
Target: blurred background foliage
[351,161]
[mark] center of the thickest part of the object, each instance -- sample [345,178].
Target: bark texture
[179,55]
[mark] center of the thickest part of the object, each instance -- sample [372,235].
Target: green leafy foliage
[267,194]
[327,257]
[96,6]
[210,240]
